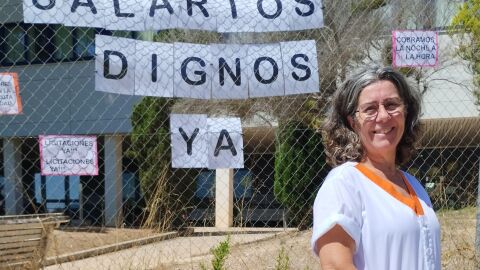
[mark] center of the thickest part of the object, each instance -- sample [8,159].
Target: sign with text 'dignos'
[198,71]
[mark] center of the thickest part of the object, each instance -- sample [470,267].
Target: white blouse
[391,231]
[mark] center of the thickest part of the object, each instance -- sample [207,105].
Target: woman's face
[379,119]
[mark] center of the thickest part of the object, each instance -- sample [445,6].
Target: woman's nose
[382,113]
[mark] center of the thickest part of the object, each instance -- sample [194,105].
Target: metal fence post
[477,235]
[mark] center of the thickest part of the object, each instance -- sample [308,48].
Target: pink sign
[411,48]
[68,155]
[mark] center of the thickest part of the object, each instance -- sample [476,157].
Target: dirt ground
[458,238]
[66,241]
[262,255]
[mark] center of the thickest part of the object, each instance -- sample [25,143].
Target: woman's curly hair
[342,144]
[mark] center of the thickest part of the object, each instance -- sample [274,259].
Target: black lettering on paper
[223,66]
[154,67]
[106,65]
[269,16]
[310,5]
[224,134]
[50,5]
[89,3]
[199,4]
[233,8]
[257,72]
[189,141]
[116,6]
[165,4]
[202,74]
[306,68]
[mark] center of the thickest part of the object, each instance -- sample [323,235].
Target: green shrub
[300,167]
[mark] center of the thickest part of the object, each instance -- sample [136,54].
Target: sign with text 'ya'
[415,48]
[10,101]
[153,15]
[202,142]
[216,71]
[68,155]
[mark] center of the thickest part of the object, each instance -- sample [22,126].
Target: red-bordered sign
[10,101]
[414,48]
[68,155]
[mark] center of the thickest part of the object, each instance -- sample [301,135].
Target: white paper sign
[154,69]
[225,143]
[10,101]
[44,11]
[229,80]
[306,15]
[218,71]
[415,48]
[211,15]
[87,13]
[301,67]
[68,155]
[162,14]
[201,142]
[113,72]
[265,71]
[189,140]
[195,14]
[192,71]
[128,14]
[255,16]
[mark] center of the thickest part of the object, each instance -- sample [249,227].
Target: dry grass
[262,254]
[458,238]
[458,250]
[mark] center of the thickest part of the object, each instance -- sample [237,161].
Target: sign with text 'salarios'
[10,101]
[153,15]
[68,155]
[414,48]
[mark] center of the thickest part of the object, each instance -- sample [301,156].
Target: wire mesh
[140,213]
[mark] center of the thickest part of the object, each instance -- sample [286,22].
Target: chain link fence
[140,213]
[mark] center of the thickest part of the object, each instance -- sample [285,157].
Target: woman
[368,214]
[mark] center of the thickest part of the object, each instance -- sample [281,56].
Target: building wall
[59,98]
[449,87]
[11,11]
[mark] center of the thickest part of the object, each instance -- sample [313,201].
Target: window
[40,49]
[63,43]
[57,192]
[83,44]
[131,186]
[205,185]
[22,44]
[13,42]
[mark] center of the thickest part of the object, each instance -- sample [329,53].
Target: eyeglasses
[369,112]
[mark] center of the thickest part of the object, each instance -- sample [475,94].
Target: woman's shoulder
[344,173]
[417,186]
[345,168]
[412,180]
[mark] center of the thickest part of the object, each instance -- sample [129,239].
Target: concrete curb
[108,249]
